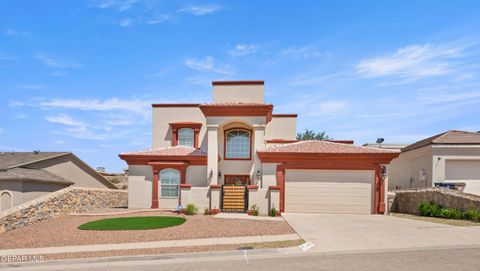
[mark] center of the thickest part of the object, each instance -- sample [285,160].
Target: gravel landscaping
[62,231]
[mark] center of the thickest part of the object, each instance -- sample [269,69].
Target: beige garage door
[467,171]
[329,191]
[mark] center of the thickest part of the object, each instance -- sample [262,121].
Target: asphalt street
[438,259]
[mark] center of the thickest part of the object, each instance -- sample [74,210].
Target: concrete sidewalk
[147,245]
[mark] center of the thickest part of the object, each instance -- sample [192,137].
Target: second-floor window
[186,137]
[237,145]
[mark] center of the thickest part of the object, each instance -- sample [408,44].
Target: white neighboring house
[25,176]
[449,157]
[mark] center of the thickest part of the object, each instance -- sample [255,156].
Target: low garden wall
[61,202]
[406,201]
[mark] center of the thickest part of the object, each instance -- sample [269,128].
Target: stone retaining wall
[61,202]
[406,201]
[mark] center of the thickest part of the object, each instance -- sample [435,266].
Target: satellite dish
[380,140]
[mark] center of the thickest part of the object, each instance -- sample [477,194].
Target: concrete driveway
[343,232]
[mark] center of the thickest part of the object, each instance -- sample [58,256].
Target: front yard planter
[133,223]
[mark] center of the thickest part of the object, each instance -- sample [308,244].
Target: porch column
[379,192]
[258,143]
[196,135]
[155,189]
[183,174]
[281,185]
[212,162]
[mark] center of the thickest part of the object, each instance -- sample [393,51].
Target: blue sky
[80,76]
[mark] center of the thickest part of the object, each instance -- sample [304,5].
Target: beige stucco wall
[238,93]
[407,167]
[22,191]
[140,186]
[282,128]
[269,174]
[261,198]
[72,169]
[162,116]
[197,176]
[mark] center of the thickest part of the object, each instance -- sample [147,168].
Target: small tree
[311,135]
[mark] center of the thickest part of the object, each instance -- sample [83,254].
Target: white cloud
[330,107]
[119,5]
[128,22]
[201,10]
[140,107]
[31,86]
[306,52]
[160,19]
[243,49]
[7,60]
[55,63]
[207,64]
[66,120]
[13,32]
[414,61]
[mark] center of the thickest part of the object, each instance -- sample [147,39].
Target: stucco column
[212,162]
[156,173]
[379,192]
[281,184]
[196,135]
[185,194]
[258,143]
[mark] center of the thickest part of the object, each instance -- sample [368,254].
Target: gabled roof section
[173,154]
[237,109]
[323,147]
[178,151]
[36,175]
[16,159]
[448,137]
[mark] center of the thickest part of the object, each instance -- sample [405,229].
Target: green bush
[206,211]
[451,213]
[426,208]
[255,210]
[273,212]
[191,209]
[471,214]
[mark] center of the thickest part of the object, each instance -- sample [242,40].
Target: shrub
[451,213]
[471,214]
[426,208]
[255,211]
[273,212]
[191,209]
[206,211]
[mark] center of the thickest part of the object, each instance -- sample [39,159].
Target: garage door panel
[328,191]
[466,171]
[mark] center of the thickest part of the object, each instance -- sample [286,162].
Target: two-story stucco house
[235,152]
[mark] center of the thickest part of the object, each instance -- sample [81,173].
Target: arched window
[238,144]
[169,183]
[185,137]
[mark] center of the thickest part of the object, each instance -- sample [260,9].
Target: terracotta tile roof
[324,147]
[235,104]
[170,151]
[448,137]
[15,159]
[36,175]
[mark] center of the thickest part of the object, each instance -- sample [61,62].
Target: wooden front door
[237,179]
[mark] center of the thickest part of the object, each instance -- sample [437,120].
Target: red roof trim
[239,82]
[237,110]
[175,105]
[341,141]
[285,115]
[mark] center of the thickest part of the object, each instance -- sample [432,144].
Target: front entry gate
[235,193]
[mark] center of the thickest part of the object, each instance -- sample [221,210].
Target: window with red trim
[238,144]
[186,137]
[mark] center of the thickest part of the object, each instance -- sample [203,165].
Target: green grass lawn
[133,223]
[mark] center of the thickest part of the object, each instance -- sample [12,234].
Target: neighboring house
[388,146]
[28,175]
[234,152]
[452,156]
